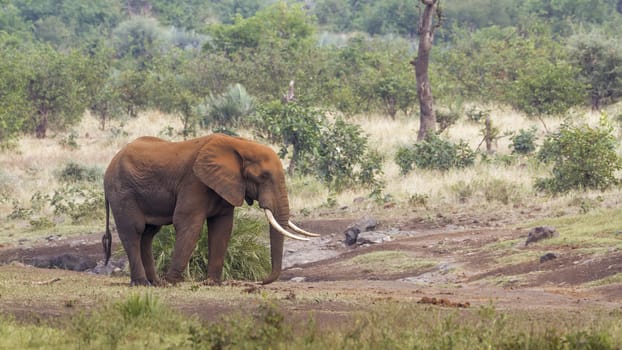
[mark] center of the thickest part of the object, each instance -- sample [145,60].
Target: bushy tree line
[218,66]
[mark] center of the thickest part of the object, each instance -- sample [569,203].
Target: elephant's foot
[140,282]
[160,283]
[173,278]
[211,282]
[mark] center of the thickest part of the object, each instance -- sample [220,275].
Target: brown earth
[464,273]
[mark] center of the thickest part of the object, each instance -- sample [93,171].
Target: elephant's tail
[107,238]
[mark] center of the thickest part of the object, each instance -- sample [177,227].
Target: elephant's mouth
[291,225]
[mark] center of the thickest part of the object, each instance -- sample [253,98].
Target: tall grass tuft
[138,306]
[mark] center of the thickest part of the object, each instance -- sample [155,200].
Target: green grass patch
[617,278]
[390,261]
[141,321]
[594,229]
[518,257]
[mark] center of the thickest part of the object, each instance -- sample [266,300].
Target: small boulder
[352,232]
[548,256]
[539,233]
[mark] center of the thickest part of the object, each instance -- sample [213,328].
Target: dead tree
[425,30]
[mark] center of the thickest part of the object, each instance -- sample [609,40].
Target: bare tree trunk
[427,116]
[42,127]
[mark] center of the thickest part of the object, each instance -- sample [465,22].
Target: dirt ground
[464,271]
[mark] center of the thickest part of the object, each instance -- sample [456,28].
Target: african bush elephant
[152,182]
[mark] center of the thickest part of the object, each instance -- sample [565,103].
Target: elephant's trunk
[276,242]
[276,253]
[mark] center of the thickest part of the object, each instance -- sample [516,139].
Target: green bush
[335,153]
[247,256]
[583,157]
[524,141]
[343,159]
[434,153]
[80,203]
[74,172]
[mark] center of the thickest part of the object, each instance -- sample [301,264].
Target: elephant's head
[238,169]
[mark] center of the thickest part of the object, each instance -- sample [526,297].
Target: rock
[373,238]
[298,279]
[548,256]
[352,232]
[540,233]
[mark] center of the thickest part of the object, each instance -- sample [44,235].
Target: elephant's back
[149,159]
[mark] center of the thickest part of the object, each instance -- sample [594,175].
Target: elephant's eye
[265,175]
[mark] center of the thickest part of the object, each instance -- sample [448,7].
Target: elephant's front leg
[187,232]
[218,235]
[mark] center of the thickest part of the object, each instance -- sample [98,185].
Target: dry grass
[31,168]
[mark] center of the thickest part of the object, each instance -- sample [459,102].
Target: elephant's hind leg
[146,252]
[130,234]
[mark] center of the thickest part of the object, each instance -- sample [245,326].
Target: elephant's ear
[219,166]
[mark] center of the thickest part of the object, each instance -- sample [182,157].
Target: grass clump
[139,321]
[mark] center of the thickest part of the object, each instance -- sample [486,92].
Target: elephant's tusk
[279,228]
[301,231]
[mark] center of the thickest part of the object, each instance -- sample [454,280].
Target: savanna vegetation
[527,100]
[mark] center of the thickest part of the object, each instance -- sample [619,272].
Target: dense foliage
[583,157]
[222,65]
[434,153]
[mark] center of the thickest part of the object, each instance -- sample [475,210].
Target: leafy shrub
[583,157]
[524,141]
[336,153]
[247,256]
[19,212]
[434,153]
[291,124]
[343,158]
[74,172]
[80,203]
